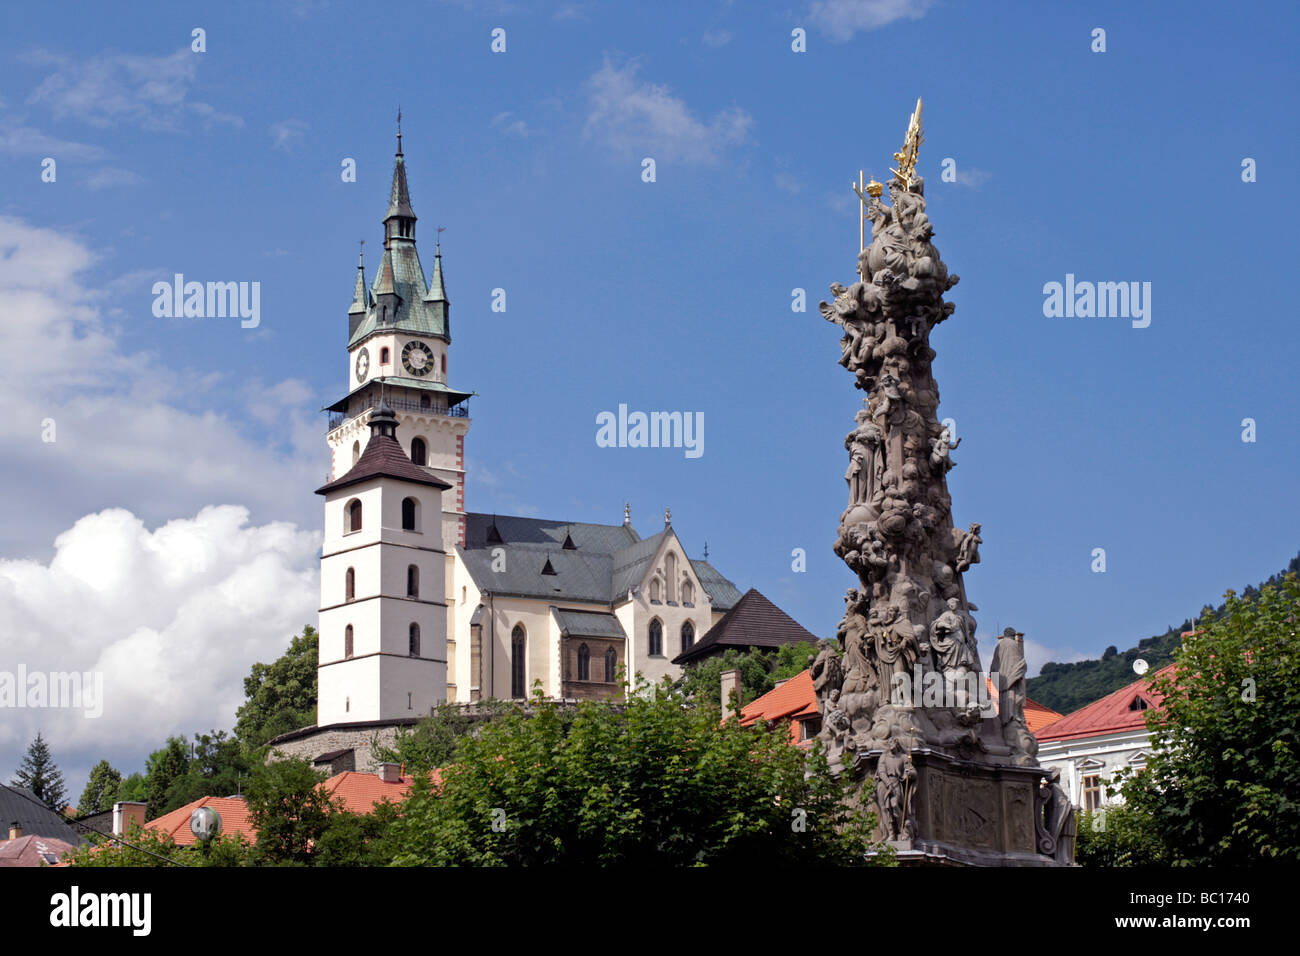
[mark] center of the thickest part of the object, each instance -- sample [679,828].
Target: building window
[655,592]
[670,577]
[517,662]
[412,581]
[425,401]
[611,665]
[347,642]
[688,636]
[354,515]
[444,363]
[584,663]
[410,514]
[356,451]
[656,638]
[809,728]
[383,356]
[350,585]
[688,594]
[415,639]
[419,452]
[1091,792]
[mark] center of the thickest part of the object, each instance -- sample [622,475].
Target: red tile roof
[359,792]
[794,699]
[1037,716]
[234,819]
[1112,714]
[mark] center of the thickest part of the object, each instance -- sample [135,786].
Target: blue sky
[1078,433]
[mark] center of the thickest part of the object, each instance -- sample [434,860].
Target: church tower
[399,334]
[383,616]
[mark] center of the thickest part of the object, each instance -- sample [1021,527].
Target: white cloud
[841,19]
[172,618]
[510,126]
[716,38]
[109,177]
[1036,654]
[287,133]
[146,91]
[645,119]
[972,177]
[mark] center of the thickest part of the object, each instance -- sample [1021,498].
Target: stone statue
[1055,819]
[968,548]
[827,673]
[895,776]
[1009,667]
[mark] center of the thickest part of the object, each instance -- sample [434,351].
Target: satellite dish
[1140,666]
[205,823]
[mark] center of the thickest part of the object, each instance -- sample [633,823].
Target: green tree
[142,847]
[651,782]
[289,810]
[134,788]
[162,769]
[101,790]
[39,774]
[1118,836]
[280,696]
[1222,784]
[760,669]
[216,766]
[433,741]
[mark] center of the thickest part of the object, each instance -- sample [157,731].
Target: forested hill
[1067,687]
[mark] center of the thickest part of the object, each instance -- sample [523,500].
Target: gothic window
[412,581]
[350,585]
[584,663]
[354,515]
[670,577]
[410,514]
[611,665]
[356,451]
[419,452]
[517,662]
[656,638]
[415,640]
[688,636]
[688,594]
[347,642]
[655,592]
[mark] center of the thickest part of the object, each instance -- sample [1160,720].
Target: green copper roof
[399,197]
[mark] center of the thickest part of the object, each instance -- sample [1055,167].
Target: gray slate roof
[36,819]
[589,624]
[754,621]
[608,560]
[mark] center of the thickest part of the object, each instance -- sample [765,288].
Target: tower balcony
[422,406]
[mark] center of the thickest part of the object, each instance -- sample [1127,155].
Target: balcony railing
[460,410]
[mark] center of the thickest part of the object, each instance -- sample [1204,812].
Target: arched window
[655,591]
[354,515]
[347,642]
[410,514]
[688,592]
[419,451]
[415,639]
[356,451]
[611,665]
[670,576]
[688,636]
[444,363]
[350,585]
[656,638]
[412,581]
[383,356]
[517,662]
[584,663]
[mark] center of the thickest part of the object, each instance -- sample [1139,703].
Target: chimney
[390,773]
[15,830]
[730,685]
[125,814]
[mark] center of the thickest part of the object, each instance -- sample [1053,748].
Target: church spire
[399,221]
[360,297]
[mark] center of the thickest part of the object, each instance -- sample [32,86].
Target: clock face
[363,365]
[416,358]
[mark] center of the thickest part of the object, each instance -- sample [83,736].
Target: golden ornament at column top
[906,157]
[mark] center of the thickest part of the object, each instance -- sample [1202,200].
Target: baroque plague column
[952,778]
